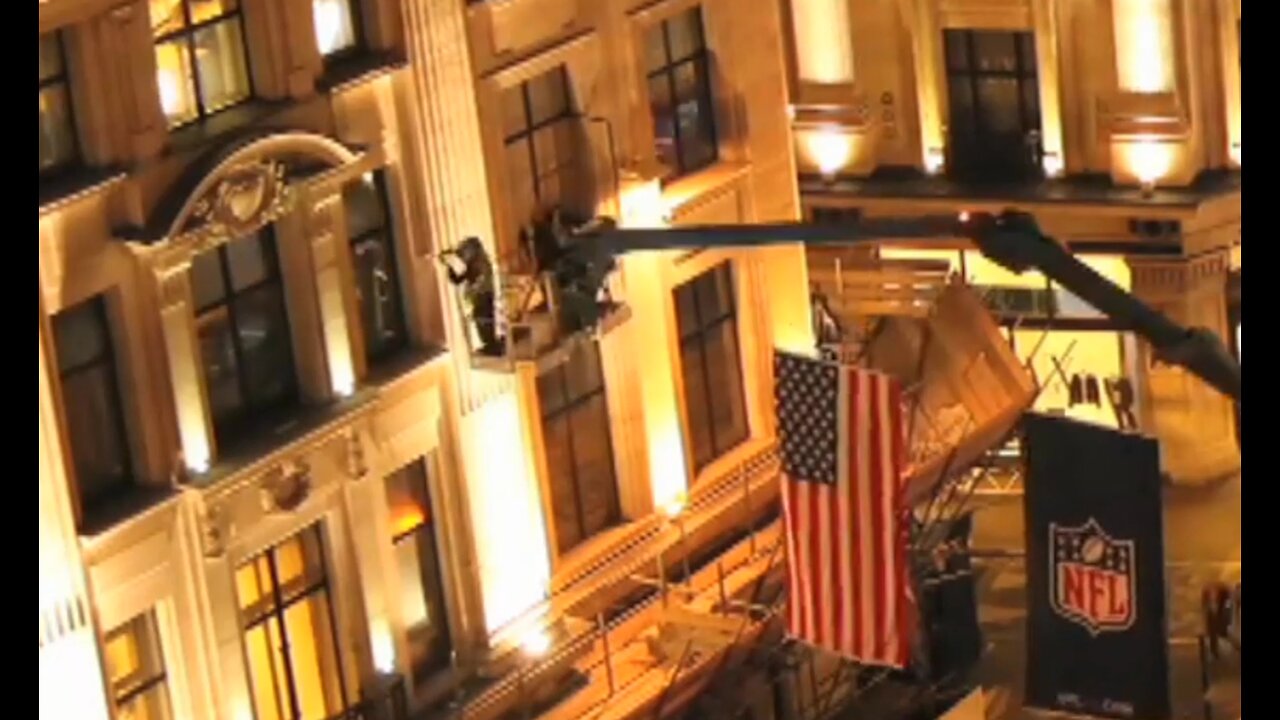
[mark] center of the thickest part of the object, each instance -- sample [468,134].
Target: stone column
[1192,421]
[326,218]
[622,374]
[71,674]
[182,347]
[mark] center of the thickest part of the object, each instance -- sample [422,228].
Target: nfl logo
[1092,578]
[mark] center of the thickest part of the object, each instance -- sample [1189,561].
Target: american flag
[842,454]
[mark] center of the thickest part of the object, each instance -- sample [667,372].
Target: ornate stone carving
[356,465]
[285,488]
[216,531]
[245,198]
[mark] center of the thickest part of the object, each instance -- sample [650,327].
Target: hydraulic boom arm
[1013,240]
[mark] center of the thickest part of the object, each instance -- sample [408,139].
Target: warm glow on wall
[829,148]
[1148,159]
[1144,45]
[1053,164]
[824,53]
[1235,153]
[934,160]
[642,204]
[667,467]
[510,536]
[71,681]
[384,649]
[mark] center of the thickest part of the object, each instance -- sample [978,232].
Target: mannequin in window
[1120,395]
[468,265]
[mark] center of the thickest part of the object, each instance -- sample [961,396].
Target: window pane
[547,148]
[1027,52]
[520,178]
[695,393]
[995,51]
[686,309]
[265,346]
[728,411]
[334,24]
[564,508]
[50,56]
[224,80]
[583,372]
[714,291]
[166,17]
[685,33]
[957,42]
[79,335]
[266,671]
[202,10]
[247,262]
[663,122]
[407,501]
[655,49]
[548,97]
[98,445]
[696,116]
[514,116]
[313,657]
[207,286]
[551,391]
[175,79]
[365,206]
[998,97]
[218,354]
[597,487]
[961,103]
[149,704]
[413,602]
[57,132]
[379,295]
[135,670]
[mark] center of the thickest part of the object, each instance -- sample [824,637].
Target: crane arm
[1011,239]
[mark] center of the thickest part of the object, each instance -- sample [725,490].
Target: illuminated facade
[276,472]
[1115,122]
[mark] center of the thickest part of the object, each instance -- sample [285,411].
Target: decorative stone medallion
[247,197]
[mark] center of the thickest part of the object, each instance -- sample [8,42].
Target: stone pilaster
[1192,421]
[177,322]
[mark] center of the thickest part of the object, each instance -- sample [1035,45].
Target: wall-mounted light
[535,643]
[1052,164]
[384,650]
[1150,161]
[829,148]
[934,160]
[1235,153]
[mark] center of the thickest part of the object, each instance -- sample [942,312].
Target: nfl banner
[1095,572]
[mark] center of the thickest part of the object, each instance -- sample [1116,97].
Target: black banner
[1095,572]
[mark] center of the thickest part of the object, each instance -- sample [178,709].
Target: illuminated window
[373,249]
[540,132]
[337,26]
[244,333]
[680,94]
[92,403]
[135,670]
[413,535]
[575,431]
[201,66]
[290,638]
[711,364]
[58,148]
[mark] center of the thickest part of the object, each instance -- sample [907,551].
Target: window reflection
[680,99]
[382,316]
[335,26]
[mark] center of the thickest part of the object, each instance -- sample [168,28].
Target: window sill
[342,74]
[289,429]
[687,190]
[126,505]
[578,564]
[403,365]
[76,183]
[223,123]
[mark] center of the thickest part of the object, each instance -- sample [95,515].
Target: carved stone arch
[239,187]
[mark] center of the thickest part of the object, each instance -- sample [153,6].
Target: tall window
[575,430]
[337,24]
[91,402]
[995,105]
[539,126]
[413,535]
[710,362]
[289,631]
[57,127]
[244,332]
[680,94]
[135,670]
[374,252]
[200,57]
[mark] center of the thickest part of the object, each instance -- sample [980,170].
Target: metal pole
[608,657]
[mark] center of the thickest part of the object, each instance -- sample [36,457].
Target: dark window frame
[148,683]
[274,604]
[1025,71]
[529,129]
[564,412]
[63,78]
[188,33]
[359,45]
[107,363]
[702,335]
[385,235]
[433,588]
[700,60]
[226,303]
